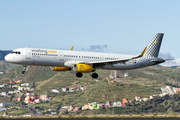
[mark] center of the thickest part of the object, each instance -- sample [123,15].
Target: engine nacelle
[61,69]
[83,68]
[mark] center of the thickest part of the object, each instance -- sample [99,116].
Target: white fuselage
[50,57]
[84,62]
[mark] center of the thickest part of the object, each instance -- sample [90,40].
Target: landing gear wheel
[24,69]
[79,74]
[23,72]
[94,75]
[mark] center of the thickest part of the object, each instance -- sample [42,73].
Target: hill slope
[141,82]
[3,53]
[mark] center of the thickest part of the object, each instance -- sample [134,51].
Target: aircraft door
[101,57]
[28,54]
[61,56]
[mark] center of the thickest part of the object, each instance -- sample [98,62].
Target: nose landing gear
[24,69]
[23,72]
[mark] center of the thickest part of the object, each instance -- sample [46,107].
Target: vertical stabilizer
[152,50]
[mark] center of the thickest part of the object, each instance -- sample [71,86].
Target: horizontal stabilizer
[158,60]
[161,60]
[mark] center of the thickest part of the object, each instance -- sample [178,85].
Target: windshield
[15,52]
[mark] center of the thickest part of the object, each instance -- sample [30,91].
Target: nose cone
[9,58]
[13,58]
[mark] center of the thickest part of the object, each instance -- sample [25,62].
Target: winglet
[142,53]
[72,48]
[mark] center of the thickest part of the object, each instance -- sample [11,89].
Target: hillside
[7,67]
[141,82]
[167,106]
[3,53]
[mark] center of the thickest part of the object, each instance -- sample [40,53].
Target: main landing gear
[24,69]
[93,75]
[79,74]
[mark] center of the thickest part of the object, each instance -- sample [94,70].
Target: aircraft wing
[108,62]
[102,63]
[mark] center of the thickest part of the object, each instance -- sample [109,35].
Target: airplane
[86,62]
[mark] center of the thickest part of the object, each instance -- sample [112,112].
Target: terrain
[143,82]
[4,53]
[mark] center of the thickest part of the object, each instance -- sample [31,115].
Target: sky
[114,26]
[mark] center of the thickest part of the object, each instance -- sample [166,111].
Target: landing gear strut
[24,69]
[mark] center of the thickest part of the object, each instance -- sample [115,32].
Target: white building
[55,91]
[2,105]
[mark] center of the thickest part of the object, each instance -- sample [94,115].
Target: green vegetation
[18,112]
[141,82]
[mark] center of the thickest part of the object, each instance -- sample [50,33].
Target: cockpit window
[15,52]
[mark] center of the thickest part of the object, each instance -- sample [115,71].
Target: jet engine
[61,69]
[83,68]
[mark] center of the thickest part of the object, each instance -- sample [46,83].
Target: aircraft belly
[49,63]
[43,62]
